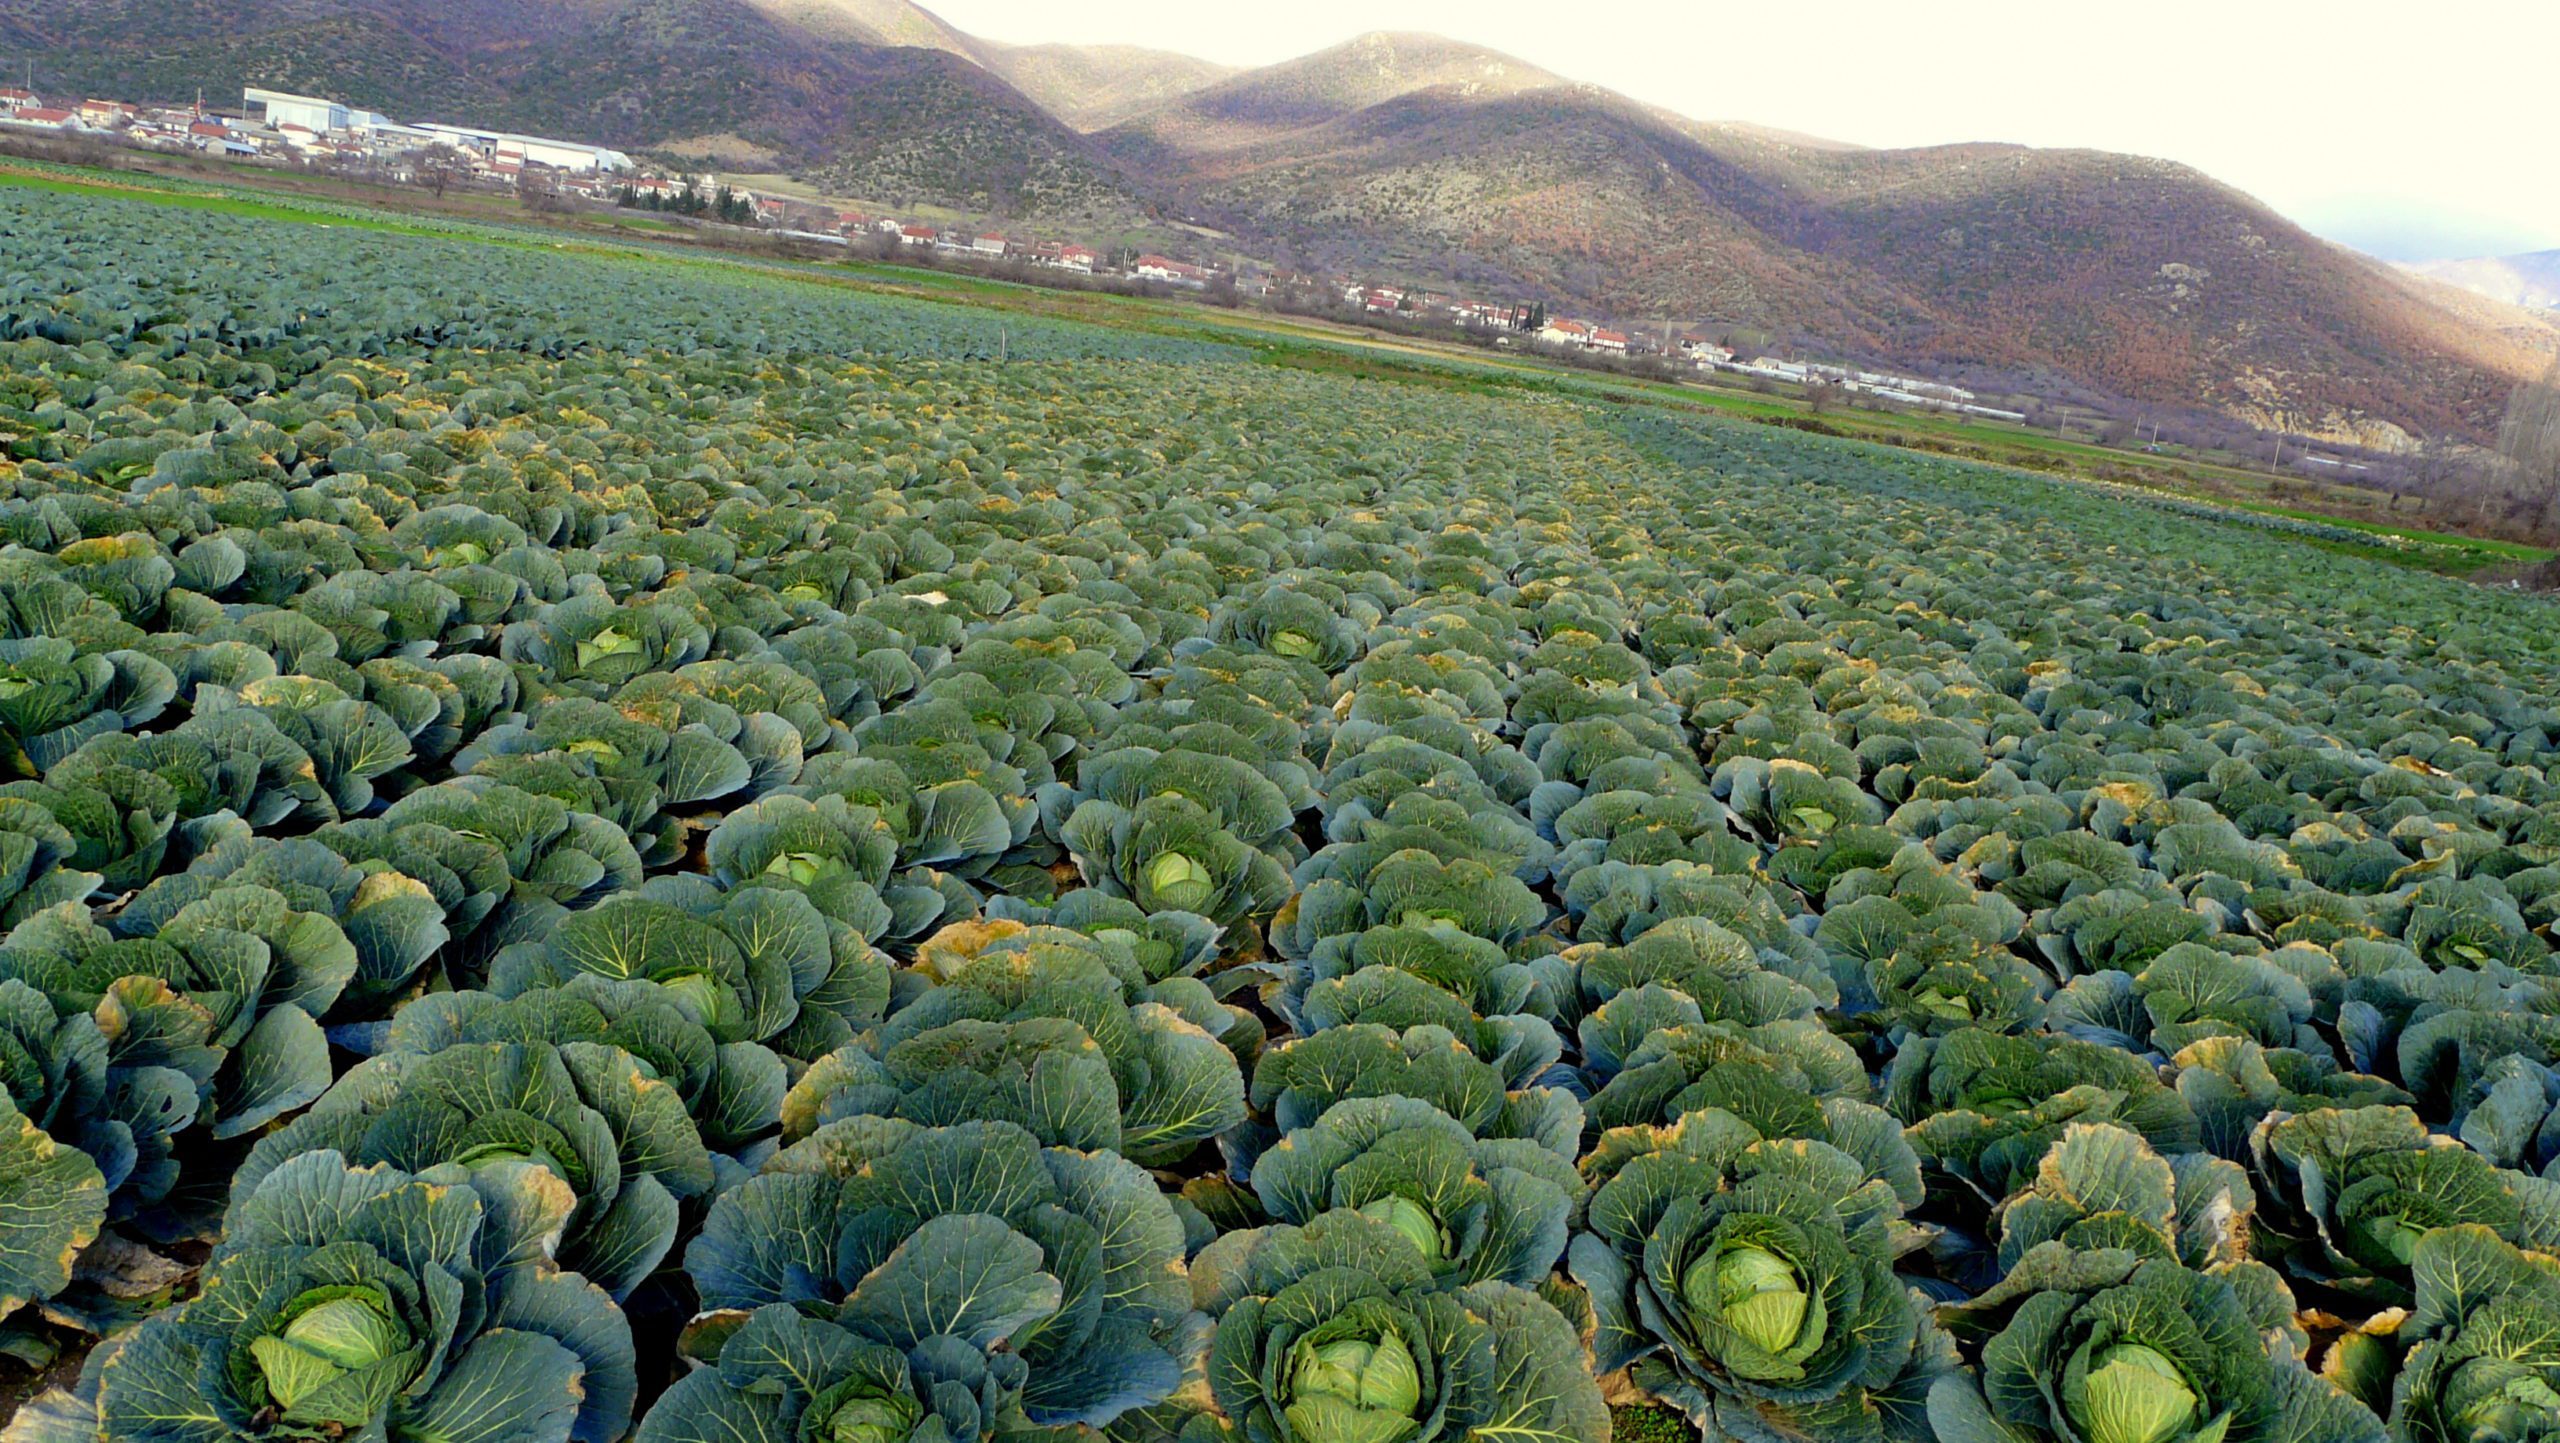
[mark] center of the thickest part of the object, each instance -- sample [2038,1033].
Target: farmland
[2222,479]
[598,844]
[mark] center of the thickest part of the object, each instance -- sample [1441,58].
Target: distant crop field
[600,843]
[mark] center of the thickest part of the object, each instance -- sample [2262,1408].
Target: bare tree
[435,169]
[2529,446]
[537,191]
[2438,472]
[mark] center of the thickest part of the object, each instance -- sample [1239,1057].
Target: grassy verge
[25,179]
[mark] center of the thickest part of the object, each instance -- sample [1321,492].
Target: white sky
[2411,129]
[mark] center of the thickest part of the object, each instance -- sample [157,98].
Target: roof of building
[260,93]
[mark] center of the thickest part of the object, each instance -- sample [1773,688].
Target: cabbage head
[1333,1333]
[1474,1209]
[1749,1282]
[782,1374]
[2482,1364]
[1074,1260]
[593,1116]
[2104,1347]
[369,1302]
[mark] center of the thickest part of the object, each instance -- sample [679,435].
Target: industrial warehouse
[339,125]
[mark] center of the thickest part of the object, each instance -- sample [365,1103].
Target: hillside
[2157,282]
[797,83]
[2138,278]
[1260,106]
[2531,279]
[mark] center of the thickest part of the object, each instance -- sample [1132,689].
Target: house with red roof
[1163,268]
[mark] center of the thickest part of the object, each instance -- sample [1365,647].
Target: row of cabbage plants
[565,887]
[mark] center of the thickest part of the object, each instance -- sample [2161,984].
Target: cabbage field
[596,847]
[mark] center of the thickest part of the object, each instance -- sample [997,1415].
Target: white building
[531,149]
[279,109]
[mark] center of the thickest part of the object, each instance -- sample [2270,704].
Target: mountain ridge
[1089,87]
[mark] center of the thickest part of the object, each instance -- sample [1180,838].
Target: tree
[537,190]
[2529,446]
[2437,470]
[435,169]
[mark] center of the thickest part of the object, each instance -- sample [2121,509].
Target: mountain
[1259,106]
[1427,160]
[1089,87]
[2531,279]
[1095,87]
[826,88]
[2133,278]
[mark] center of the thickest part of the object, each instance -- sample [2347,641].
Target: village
[281,128]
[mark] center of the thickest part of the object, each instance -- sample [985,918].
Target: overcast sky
[2412,130]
